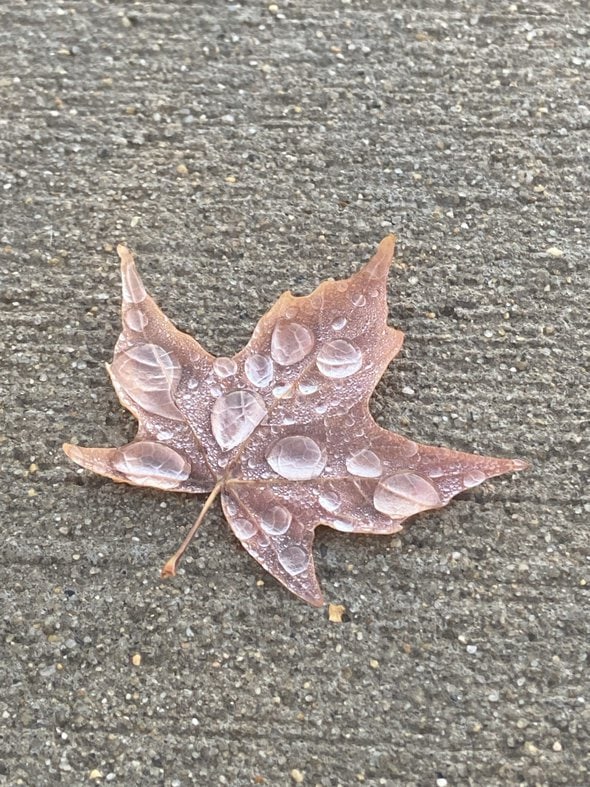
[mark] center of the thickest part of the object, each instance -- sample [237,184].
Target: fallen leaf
[282,431]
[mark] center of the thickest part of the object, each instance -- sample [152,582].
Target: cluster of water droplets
[150,375]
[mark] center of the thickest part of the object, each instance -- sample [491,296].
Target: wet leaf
[281,432]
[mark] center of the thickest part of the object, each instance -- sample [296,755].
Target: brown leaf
[282,431]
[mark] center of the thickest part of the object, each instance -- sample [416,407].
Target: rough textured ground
[242,149]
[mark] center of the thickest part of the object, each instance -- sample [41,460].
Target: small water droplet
[358,299]
[276,520]
[473,478]
[342,524]
[243,528]
[308,388]
[224,367]
[293,559]
[364,463]
[404,494]
[283,391]
[329,501]
[164,434]
[222,461]
[214,391]
[338,359]
[297,458]
[291,312]
[230,506]
[290,343]
[135,319]
[321,409]
[234,417]
[259,370]
[339,323]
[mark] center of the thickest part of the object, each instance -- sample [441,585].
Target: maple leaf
[282,431]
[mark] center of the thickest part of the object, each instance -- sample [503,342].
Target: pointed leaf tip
[125,255]
[379,263]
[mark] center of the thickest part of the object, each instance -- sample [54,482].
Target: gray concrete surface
[241,150]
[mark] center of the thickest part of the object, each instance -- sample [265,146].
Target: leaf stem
[169,568]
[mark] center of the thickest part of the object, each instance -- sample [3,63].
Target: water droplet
[164,434]
[276,520]
[135,319]
[329,501]
[339,323]
[262,541]
[308,388]
[404,494]
[283,391]
[152,464]
[133,289]
[229,506]
[473,478]
[290,343]
[339,359]
[321,409]
[149,375]
[243,528]
[214,391]
[293,559]
[291,312]
[259,370]
[234,417]
[409,448]
[343,525]
[297,458]
[222,461]
[224,367]
[364,463]
[358,299]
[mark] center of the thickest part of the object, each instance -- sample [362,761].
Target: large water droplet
[234,417]
[404,494]
[135,319]
[276,520]
[149,375]
[133,289]
[243,528]
[473,478]
[224,367]
[329,501]
[339,323]
[338,359]
[364,463]
[297,458]
[259,370]
[293,559]
[290,343]
[152,464]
